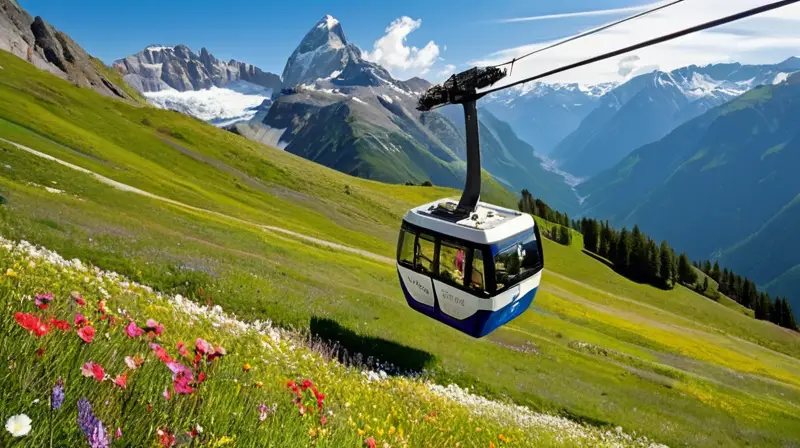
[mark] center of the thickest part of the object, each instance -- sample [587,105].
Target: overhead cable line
[590,32]
[654,41]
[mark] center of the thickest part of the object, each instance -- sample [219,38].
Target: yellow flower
[259,384]
[380,432]
[246,367]
[312,432]
[503,438]
[477,429]
[10,273]
[392,429]
[491,445]
[361,432]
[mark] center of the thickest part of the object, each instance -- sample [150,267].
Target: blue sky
[265,33]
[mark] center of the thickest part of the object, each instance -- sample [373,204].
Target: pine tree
[638,254]
[665,265]
[605,242]
[686,274]
[653,262]
[622,258]
[707,267]
[705,284]
[715,274]
[723,282]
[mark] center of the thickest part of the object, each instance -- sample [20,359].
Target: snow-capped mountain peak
[327,22]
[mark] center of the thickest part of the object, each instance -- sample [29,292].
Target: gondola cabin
[473,273]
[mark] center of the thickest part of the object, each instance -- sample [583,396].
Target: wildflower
[59,324]
[43,300]
[99,437]
[246,367]
[161,353]
[18,425]
[203,347]
[201,377]
[165,438]
[86,333]
[323,420]
[57,395]
[503,438]
[32,323]
[259,384]
[86,418]
[166,394]
[118,433]
[121,380]
[40,352]
[392,430]
[154,327]
[133,362]
[182,350]
[101,306]
[218,352]
[370,442]
[10,273]
[91,369]
[306,384]
[491,445]
[80,320]
[133,330]
[182,382]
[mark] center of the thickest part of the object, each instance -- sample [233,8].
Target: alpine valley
[651,150]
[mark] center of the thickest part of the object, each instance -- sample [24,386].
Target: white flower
[19,425]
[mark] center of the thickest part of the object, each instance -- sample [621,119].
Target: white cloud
[392,52]
[447,70]
[599,12]
[766,38]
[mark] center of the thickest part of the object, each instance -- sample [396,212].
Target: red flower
[122,380]
[43,300]
[93,369]
[306,384]
[133,330]
[218,352]
[201,377]
[323,420]
[78,299]
[133,362]
[165,438]
[101,305]
[32,323]
[80,320]
[370,442]
[40,352]
[86,333]
[60,324]
[161,353]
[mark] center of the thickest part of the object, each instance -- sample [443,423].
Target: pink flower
[202,346]
[218,352]
[165,438]
[166,394]
[182,382]
[80,320]
[133,362]
[182,350]
[118,433]
[370,442]
[86,333]
[93,369]
[78,299]
[122,380]
[154,326]
[133,331]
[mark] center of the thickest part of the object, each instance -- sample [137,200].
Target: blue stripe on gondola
[479,324]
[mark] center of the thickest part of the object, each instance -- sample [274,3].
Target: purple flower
[86,418]
[91,426]
[99,437]
[57,397]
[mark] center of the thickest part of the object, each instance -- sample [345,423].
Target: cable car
[468,264]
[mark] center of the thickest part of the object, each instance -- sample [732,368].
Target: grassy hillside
[597,348]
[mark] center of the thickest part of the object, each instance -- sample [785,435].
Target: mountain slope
[35,41]
[649,106]
[725,177]
[544,114]
[352,115]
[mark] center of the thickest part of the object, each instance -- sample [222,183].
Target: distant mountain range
[723,185]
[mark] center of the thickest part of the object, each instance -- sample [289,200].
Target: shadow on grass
[353,348]
[600,259]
